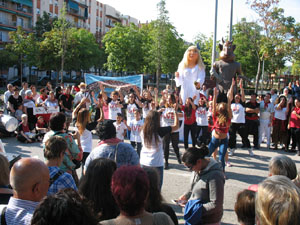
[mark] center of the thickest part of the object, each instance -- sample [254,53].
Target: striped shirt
[63,181]
[19,212]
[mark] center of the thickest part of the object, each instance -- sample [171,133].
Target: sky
[191,17]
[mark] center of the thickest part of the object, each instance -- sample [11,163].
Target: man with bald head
[29,178]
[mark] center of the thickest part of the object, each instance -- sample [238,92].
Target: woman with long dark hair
[95,186]
[152,133]
[190,124]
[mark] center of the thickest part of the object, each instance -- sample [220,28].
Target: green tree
[44,24]
[123,46]
[7,59]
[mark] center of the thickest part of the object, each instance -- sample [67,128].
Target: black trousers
[236,128]
[204,138]
[138,146]
[296,137]
[186,130]
[174,137]
[251,128]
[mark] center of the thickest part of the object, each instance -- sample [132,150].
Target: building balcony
[16,9]
[12,25]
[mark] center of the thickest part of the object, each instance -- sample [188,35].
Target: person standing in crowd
[273,95]
[130,188]
[266,114]
[86,138]
[238,120]
[28,106]
[190,124]
[152,145]
[252,121]
[14,101]
[296,89]
[221,115]
[294,124]
[35,95]
[7,94]
[207,184]
[111,147]
[82,94]
[190,70]
[279,134]
[286,93]
[55,148]
[48,87]
[24,89]
[66,105]
[167,119]
[95,186]
[135,127]
[202,121]
[43,97]
[29,178]
[121,127]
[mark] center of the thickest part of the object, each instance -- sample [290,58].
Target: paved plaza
[245,171]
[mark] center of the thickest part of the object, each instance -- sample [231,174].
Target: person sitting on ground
[245,207]
[130,188]
[29,178]
[54,152]
[95,186]
[65,207]
[14,101]
[277,202]
[283,165]
[41,127]
[5,191]
[155,200]
[24,134]
[112,147]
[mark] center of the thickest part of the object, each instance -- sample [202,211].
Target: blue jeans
[222,144]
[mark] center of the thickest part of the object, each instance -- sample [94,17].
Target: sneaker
[251,153]
[231,152]
[228,164]
[166,166]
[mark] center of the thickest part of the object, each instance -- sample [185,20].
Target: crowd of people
[120,180]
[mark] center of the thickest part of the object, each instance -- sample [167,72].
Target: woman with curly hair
[222,115]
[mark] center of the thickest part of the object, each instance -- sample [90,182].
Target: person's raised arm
[214,105]
[242,91]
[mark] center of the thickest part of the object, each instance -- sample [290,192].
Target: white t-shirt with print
[280,114]
[168,118]
[201,116]
[130,112]
[113,110]
[136,127]
[120,128]
[238,113]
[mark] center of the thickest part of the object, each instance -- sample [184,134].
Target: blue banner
[110,84]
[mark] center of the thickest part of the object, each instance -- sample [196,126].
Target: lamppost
[230,25]
[213,57]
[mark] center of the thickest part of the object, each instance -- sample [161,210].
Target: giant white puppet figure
[190,73]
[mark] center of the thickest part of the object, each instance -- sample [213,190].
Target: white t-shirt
[238,113]
[120,128]
[86,141]
[201,116]
[130,112]
[136,127]
[168,118]
[113,110]
[265,112]
[280,114]
[80,95]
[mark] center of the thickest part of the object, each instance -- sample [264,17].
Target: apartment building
[14,13]
[92,15]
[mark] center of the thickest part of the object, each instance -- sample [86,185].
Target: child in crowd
[41,127]
[120,127]
[24,134]
[114,105]
[202,121]
[135,127]
[245,207]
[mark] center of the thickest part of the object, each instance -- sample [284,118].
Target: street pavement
[245,171]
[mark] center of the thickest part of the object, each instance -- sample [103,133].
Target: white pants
[264,131]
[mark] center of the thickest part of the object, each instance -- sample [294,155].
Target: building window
[37,11]
[56,3]
[20,22]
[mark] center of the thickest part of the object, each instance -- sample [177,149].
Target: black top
[16,102]
[4,198]
[67,101]
[164,131]
[251,106]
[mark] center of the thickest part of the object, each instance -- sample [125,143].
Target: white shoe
[231,152]
[251,153]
